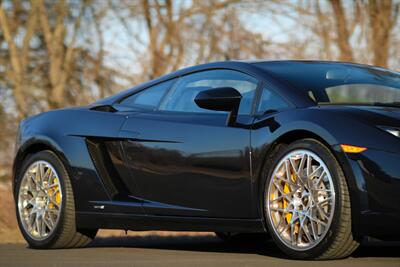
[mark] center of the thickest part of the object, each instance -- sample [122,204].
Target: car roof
[252,67]
[294,61]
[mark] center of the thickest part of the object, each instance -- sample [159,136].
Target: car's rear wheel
[306,202]
[45,204]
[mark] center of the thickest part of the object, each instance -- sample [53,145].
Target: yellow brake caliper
[51,192]
[288,216]
[286,189]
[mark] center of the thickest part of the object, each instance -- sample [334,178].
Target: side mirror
[221,99]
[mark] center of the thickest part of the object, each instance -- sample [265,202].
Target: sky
[121,52]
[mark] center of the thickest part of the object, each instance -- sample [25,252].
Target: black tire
[65,234]
[233,237]
[338,241]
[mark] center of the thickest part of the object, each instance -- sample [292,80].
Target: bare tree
[383,16]
[60,55]
[342,31]
[46,69]
[18,54]
[179,34]
[362,31]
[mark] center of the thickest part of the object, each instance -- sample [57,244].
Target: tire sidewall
[328,158]
[51,158]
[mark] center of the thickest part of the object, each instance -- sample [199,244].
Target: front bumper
[374,184]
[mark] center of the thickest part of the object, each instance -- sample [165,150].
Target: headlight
[392,130]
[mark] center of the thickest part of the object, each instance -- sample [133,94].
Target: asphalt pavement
[183,251]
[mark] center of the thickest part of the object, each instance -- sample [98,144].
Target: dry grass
[9,232]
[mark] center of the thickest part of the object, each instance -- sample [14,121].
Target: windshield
[339,83]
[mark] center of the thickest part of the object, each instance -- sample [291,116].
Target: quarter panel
[65,132]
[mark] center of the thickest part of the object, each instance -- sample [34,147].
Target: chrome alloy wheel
[300,200]
[39,200]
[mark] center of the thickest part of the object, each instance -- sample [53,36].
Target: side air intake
[105,168]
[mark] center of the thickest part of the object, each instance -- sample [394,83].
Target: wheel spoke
[283,196]
[288,173]
[293,234]
[299,234]
[281,221]
[315,236]
[31,181]
[293,165]
[37,225]
[48,225]
[308,168]
[278,187]
[40,174]
[30,202]
[37,175]
[51,217]
[31,220]
[314,173]
[284,229]
[47,176]
[307,233]
[54,202]
[318,221]
[322,190]
[321,211]
[45,228]
[301,164]
[325,200]
[280,210]
[52,186]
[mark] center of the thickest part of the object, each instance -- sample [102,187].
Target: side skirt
[166,223]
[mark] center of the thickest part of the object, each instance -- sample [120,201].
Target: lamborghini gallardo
[304,152]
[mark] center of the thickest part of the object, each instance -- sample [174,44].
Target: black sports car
[306,151]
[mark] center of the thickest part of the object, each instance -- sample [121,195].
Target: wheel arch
[299,134]
[32,146]
[294,135]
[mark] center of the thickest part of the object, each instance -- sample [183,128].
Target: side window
[181,98]
[270,101]
[148,98]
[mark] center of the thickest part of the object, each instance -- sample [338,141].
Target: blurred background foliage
[61,53]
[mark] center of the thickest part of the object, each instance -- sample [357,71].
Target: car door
[185,160]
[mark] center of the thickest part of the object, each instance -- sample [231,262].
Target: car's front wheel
[45,204]
[306,202]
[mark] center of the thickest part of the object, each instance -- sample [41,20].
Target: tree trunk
[382,20]
[343,36]
[16,75]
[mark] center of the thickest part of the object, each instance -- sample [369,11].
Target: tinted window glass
[362,93]
[181,98]
[338,83]
[271,101]
[148,98]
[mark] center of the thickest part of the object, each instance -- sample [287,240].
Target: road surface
[182,251]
